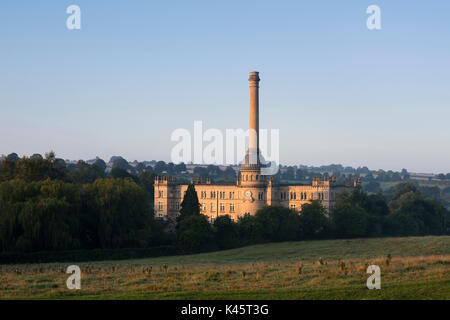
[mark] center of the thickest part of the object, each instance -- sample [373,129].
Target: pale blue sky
[137,70]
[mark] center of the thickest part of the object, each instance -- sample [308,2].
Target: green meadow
[411,268]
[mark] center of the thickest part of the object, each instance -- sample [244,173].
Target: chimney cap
[254,76]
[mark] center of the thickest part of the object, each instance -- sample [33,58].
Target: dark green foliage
[46,204]
[314,223]
[99,163]
[226,232]
[278,223]
[147,179]
[412,214]
[98,254]
[372,186]
[33,169]
[39,215]
[120,162]
[119,173]
[190,205]
[56,215]
[249,229]
[85,173]
[194,233]
[123,212]
[348,218]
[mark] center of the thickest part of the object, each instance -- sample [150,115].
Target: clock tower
[251,181]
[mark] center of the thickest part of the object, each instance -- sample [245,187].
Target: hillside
[411,268]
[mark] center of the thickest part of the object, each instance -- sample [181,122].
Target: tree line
[356,214]
[48,205]
[44,205]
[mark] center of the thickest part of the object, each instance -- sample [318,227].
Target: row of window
[222,195]
[213,194]
[302,196]
[222,207]
[257,177]
[175,206]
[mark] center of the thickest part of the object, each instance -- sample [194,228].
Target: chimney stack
[253,145]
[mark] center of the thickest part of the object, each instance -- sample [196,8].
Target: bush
[195,233]
[313,221]
[225,233]
[278,223]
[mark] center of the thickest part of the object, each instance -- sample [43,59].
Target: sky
[138,70]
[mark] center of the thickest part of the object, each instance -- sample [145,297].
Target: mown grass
[411,268]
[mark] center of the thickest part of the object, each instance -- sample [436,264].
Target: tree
[122,213]
[179,168]
[402,188]
[147,179]
[39,215]
[226,234]
[372,186]
[348,219]
[278,223]
[85,173]
[12,157]
[313,221]
[412,214]
[119,173]
[229,174]
[121,163]
[160,167]
[405,175]
[194,233]
[190,205]
[249,229]
[99,163]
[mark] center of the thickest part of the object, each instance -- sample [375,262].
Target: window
[177,205]
[293,206]
[160,206]
[160,194]
[213,207]
[231,207]
[222,207]
[213,194]
[231,195]
[222,195]
[203,206]
[260,195]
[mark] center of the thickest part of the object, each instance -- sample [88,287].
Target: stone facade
[237,200]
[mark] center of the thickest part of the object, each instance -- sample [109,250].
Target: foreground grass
[333,269]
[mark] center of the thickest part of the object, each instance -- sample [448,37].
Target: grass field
[418,268]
